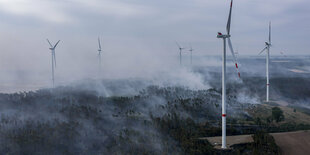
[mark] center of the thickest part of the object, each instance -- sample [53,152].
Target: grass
[263,111]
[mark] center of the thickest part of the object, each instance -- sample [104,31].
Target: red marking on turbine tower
[223,115]
[238,70]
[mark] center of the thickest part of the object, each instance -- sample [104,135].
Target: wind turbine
[191,50]
[52,48]
[224,37]
[99,55]
[267,49]
[180,48]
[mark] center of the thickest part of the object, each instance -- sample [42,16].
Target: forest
[158,120]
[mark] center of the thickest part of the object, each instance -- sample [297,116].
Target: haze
[138,36]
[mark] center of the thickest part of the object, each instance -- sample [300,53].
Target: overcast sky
[132,28]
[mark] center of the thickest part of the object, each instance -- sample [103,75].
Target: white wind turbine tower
[224,37]
[99,56]
[52,48]
[191,50]
[180,48]
[267,49]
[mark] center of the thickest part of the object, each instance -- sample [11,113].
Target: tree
[258,121]
[277,114]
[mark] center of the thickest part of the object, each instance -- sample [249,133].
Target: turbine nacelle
[267,44]
[180,47]
[220,35]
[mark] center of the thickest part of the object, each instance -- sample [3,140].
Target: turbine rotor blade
[179,45]
[270,33]
[56,44]
[49,43]
[282,53]
[262,51]
[99,43]
[229,18]
[234,57]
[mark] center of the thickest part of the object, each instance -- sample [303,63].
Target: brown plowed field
[293,143]
[290,143]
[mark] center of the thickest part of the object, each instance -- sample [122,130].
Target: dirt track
[231,140]
[293,143]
